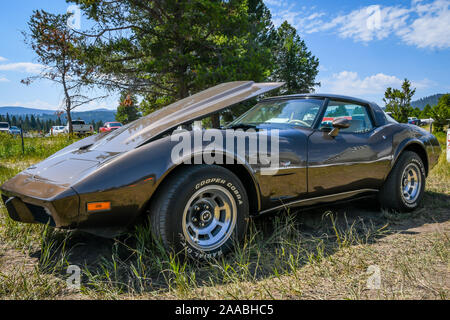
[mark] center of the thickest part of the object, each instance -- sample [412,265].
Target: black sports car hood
[63,170]
[189,109]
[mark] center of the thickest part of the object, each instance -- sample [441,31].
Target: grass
[315,254]
[34,148]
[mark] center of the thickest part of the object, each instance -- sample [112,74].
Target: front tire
[201,212]
[405,186]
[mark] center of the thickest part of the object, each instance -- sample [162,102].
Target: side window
[357,114]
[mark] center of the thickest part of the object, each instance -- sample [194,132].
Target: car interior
[357,115]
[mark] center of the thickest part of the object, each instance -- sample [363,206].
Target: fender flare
[403,146]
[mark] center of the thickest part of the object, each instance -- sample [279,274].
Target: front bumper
[30,200]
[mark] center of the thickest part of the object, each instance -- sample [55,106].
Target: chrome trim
[387,158]
[305,201]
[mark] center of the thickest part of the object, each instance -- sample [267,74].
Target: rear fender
[414,143]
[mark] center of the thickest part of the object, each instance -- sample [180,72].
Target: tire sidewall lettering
[225,183]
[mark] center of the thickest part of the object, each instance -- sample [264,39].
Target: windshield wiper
[241,126]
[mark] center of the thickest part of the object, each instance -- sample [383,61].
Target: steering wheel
[301,122]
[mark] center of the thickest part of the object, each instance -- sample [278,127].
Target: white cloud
[369,23]
[3,59]
[315,16]
[350,83]
[27,67]
[304,19]
[322,68]
[425,24]
[276,3]
[431,28]
[3,79]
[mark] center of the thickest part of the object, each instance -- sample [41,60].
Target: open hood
[189,109]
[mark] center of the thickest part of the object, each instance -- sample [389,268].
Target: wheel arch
[415,146]
[242,170]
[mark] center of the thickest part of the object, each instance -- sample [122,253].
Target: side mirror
[338,124]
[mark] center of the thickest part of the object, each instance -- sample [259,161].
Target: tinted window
[4,125]
[77,122]
[297,112]
[358,115]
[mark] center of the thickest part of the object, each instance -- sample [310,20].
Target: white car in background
[4,127]
[56,130]
[426,121]
[80,127]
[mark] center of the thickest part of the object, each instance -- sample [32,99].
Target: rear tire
[404,188]
[202,211]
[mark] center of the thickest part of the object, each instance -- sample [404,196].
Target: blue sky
[363,47]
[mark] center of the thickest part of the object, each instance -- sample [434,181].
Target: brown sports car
[329,148]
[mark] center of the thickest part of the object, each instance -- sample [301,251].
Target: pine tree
[294,63]
[127,111]
[398,102]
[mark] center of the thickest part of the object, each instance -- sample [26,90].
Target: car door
[356,159]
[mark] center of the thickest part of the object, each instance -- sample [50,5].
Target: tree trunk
[68,109]
[69,120]
[215,121]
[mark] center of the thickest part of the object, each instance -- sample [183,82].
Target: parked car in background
[111,126]
[426,121]
[79,127]
[4,127]
[332,148]
[55,130]
[15,131]
[414,120]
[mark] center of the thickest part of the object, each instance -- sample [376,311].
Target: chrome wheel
[411,183]
[209,218]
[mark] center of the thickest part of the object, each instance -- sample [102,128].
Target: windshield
[296,112]
[4,125]
[14,128]
[115,124]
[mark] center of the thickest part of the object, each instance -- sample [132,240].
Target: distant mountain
[20,111]
[104,115]
[431,100]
